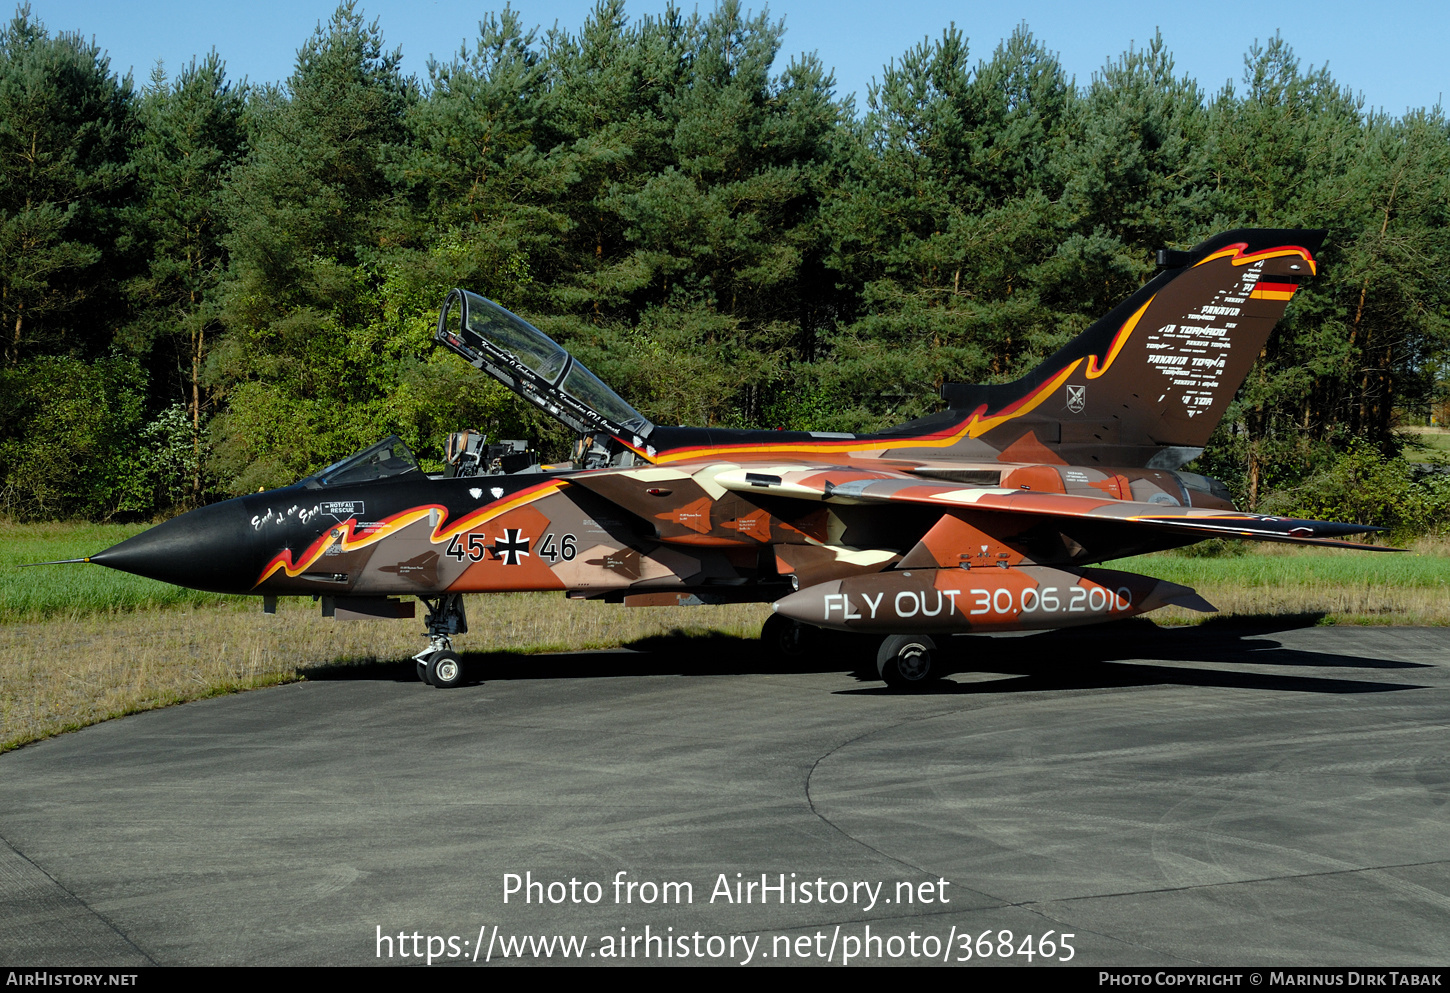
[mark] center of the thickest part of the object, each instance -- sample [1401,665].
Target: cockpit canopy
[531,364]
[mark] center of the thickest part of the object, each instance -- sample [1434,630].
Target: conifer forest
[210,285]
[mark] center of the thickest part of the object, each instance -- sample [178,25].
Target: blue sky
[1392,53]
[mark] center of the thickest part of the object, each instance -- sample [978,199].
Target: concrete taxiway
[1176,797]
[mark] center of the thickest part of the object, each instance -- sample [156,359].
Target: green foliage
[482,187]
[157,474]
[69,448]
[1138,168]
[192,134]
[65,128]
[310,198]
[722,241]
[306,369]
[948,205]
[1362,486]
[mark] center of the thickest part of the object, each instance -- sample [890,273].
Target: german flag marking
[1272,291]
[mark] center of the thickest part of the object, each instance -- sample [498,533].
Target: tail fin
[1147,384]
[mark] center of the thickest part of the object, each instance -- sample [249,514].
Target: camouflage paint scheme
[986,515]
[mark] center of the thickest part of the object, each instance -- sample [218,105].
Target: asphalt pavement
[1234,796]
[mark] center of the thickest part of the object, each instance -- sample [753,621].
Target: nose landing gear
[444,670]
[438,664]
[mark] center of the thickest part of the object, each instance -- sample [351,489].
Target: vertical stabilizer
[1147,384]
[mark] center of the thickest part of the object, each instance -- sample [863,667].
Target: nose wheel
[441,668]
[438,664]
[445,670]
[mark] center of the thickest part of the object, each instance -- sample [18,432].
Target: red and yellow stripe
[1235,254]
[1119,340]
[977,423]
[1267,290]
[350,539]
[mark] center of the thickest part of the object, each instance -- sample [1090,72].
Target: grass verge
[82,644]
[67,672]
[1347,587]
[47,591]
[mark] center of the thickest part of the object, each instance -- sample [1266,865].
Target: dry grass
[1413,607]
[1346,587]
[72,671]
[67,659]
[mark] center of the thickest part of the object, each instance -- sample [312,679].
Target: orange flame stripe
[976,424]
[350,540]
[1121,339]
[1235,253]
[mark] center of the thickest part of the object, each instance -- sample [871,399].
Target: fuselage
[650,528]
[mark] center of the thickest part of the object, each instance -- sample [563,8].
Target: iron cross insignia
[510,547]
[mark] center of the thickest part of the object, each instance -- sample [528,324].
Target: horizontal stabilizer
[1255,527]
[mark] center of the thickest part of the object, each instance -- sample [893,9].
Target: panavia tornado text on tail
[988,516]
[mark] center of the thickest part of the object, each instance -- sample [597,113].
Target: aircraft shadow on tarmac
[1104,656]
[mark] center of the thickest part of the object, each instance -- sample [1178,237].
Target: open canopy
[533,365]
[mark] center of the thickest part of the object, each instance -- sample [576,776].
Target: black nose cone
[213,548]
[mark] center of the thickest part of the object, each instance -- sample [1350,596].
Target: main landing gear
[787,640]
[438,664]
[905,661]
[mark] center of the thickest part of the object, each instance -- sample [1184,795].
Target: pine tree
[485,194]
[725,235]
[65,127]
[947,210]
[305,367]
[68,415]
[1282,153]
[192,133]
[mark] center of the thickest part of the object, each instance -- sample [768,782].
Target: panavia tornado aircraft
[988,516]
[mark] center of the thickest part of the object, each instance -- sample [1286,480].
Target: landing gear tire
[438,664]
[787,640]
[445,670]
[905,662]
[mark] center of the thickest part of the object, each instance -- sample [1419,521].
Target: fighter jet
[991,515]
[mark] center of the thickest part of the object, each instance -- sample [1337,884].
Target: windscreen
[389,457]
